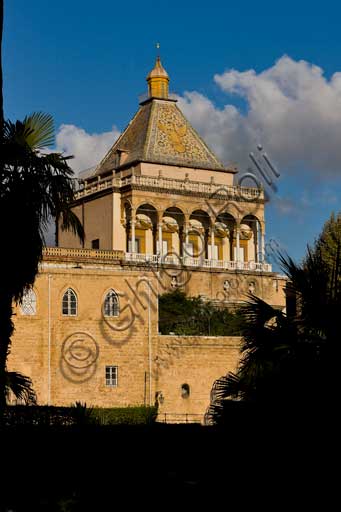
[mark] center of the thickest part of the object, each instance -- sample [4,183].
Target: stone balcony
[172,185]
[62,254]
[187,261]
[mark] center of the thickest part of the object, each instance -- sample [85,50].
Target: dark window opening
[95,243]
[185,390]
[69,305]
[111,304]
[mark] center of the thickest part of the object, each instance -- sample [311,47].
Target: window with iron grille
[69,303]
[111,304]
[111,376]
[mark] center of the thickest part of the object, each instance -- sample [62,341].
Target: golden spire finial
[158,79]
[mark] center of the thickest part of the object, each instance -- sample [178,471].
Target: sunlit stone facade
[160,212]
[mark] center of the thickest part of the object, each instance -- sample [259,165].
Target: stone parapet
[172,185]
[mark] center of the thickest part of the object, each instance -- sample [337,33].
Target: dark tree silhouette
[1,32]
[289,362]
[34,187]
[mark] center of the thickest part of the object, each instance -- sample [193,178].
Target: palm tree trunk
[6,325]
[1,31]
[6,331]
[56,232]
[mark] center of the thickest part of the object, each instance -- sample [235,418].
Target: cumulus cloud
[87,149]
[293,110]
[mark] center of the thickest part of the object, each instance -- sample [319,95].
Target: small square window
[111,376]
[95,243]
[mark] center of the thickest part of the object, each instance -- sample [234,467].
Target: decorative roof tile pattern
[159,133]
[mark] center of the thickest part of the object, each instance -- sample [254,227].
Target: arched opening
[225,226]
[250,235]
[111,306]
[172,232]
[145,229]
[197,240]
[185,391]
[69,303]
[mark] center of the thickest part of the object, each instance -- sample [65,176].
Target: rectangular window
[111,376]
[95,243]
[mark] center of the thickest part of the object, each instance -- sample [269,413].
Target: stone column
[225,245]
[160,238]
[132,223]
[262,243]
[212,240]
[186,233]
[185,238]
[256,240]
[238,243]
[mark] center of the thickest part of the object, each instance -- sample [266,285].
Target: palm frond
[70,222]
[257,312]
[21,387]
[39,130]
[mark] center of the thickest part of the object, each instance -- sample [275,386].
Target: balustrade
[189,261]
[62,252]
[216,189]
[170,259]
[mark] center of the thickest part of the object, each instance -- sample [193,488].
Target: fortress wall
[197,361]
[72,352]
[66,356]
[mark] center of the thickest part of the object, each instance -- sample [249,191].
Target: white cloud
[292,109]
[87,149]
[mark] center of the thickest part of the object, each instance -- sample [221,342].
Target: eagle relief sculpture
[175,135]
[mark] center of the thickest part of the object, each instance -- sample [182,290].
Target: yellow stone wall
[226,287]
[97,219]
[196,361]
[66,356]
[44,340]
[181,173]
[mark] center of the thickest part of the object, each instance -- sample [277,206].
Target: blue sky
[85,63]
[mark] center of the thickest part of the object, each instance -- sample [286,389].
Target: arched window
[252,287]
[69,303]
[111,304]
[185,390]
[29,303]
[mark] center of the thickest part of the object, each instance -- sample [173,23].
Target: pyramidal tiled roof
[160,133]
